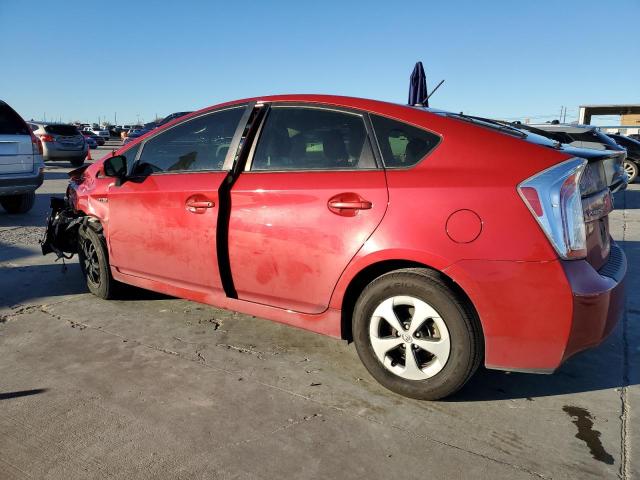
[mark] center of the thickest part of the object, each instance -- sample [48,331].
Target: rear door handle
[199,206]
[348,204]
[356,205]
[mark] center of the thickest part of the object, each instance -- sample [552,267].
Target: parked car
[587,136]
[90,141]
[98,131]
[171,117]
[349,217]
[97,139]
[21,164]
[135,134]
[632,162]
[61,142]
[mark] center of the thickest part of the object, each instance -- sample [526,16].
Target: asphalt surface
[155,387]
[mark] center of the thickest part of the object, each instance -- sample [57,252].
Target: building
[629,116]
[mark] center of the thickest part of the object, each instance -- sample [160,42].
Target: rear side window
[10,122]
[66,130]
[302,138]
[197,145]
[402,145]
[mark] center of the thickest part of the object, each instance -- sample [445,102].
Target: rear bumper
[17,184]
[535,315]
[53,153]
[598,300]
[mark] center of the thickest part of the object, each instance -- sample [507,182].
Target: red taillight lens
[47,138]
[36,145]
[554,198]
[531,196]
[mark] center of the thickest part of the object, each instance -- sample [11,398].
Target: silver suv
[21,164]
[61,142]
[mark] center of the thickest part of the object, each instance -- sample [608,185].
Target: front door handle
[348,204]
[199,206]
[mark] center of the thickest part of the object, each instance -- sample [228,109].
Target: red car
[353,218]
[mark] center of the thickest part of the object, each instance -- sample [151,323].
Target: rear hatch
[66,137]
[597,202]
[16,149]
[603,171]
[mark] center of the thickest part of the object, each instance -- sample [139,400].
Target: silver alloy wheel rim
[90,261]
[629,170]
[421,340]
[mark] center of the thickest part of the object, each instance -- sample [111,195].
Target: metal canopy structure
[587,111]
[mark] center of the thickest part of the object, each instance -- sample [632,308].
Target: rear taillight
[47,138]
[554,198]
[36,145]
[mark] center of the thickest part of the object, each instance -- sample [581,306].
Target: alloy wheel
[90,261]
[409,337]
[629,169]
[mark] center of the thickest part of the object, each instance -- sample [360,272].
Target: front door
[162,223]
[309,198]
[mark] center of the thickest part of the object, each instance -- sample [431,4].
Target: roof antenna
[434,90]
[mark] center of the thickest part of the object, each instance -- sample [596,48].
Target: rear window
[402,145]
[10,122]
[66,130]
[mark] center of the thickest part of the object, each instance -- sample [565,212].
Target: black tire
[94,262]
[77,162]
[21,203]
[465,337]
[632,170]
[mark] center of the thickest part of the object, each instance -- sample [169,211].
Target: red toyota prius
[354,218]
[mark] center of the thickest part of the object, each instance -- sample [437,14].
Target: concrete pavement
[156,387]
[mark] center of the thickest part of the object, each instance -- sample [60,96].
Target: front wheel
[415,335]
[631,169]
[94,262]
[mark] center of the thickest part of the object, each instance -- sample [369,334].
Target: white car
[21,163]
[101,133]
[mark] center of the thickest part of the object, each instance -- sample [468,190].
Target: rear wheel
[631,169]
[415,335]
[94,262]
[21,203]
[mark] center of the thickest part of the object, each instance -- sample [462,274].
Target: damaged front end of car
[63,223]
[61,235]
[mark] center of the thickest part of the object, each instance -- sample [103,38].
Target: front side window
[304,138]
[402,145]
[200,144]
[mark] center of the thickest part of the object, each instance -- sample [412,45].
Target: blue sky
[509,59]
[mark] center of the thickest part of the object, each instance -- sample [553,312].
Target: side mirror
[116,167]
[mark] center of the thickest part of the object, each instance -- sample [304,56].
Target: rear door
[163,221]
[310,196]
[16,150]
